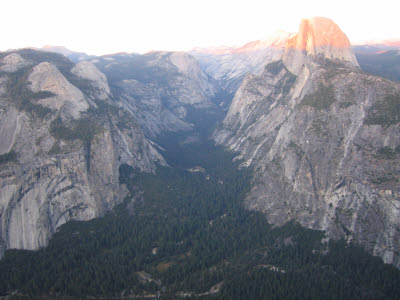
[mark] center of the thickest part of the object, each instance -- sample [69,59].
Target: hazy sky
[100,27]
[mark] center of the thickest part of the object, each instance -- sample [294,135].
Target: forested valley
[184,231]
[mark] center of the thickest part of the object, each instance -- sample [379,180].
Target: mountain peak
[316,32]
[318,36]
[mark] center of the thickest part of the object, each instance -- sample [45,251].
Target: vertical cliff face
[322,137]
[318,37]
[62,141]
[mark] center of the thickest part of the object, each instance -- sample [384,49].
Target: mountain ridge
[62,144]
[314,129]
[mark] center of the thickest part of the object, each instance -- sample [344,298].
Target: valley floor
[184,232]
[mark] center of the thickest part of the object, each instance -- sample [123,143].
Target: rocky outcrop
[12,63]
[200,84]
[190,86]
[53,168]
[323,143]
[67,99]
[88,71]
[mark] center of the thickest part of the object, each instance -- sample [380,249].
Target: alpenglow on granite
[323,138]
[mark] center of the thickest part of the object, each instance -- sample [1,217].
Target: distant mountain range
[228,65]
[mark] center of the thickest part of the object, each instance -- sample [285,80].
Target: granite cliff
[323,139]
[62,141]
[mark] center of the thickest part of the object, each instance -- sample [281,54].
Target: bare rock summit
[45,77]
[318,36]
[87,70]
[12,63]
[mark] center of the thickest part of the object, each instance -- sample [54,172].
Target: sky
[104,27]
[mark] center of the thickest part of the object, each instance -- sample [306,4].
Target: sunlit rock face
[317,32]
[318,36]
[323,140]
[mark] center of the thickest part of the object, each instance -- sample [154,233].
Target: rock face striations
[323,140]
[65,129]
[318,37]
[62,141]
